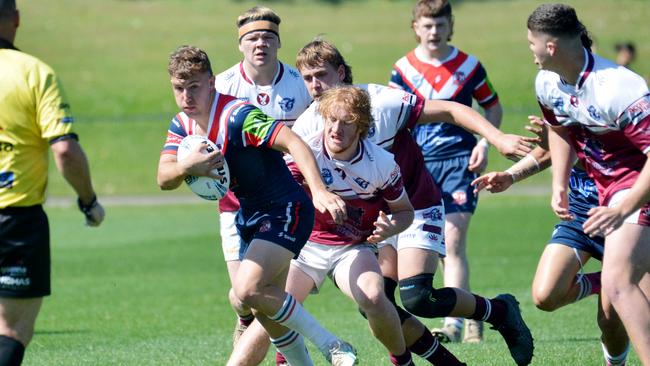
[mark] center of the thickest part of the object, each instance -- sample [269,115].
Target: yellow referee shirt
[33,111]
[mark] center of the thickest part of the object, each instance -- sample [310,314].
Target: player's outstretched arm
[287,141]
[511,146]
[71,162]
[562,157]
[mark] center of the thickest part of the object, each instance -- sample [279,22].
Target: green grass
[149,288]
[112,57]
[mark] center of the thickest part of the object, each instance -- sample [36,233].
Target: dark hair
[188,61]
[319,52]
[627,46]
[559,20]
[7,8]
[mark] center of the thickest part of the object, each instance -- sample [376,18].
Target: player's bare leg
[361,280]
[455,269]
[244,314]
[252,347]
[555,282]
[625,263]
[614,340]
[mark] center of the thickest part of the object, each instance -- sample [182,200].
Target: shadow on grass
[564,340]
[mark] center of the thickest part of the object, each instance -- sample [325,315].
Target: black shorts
[24,252]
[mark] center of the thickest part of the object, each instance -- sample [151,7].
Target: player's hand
[330,202]
[494,182]
[602,221]
[479,158]
[384,229]
[202,162]
[560,205]
[93,211]
[515,147]
[538,127]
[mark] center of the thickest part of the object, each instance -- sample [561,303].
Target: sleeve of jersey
[53,111]
[256,129]
[393,189]
[400,106]
[396,79]
[484,92]
[636,120]
[175,135]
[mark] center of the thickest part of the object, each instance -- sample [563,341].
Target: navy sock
[11,351]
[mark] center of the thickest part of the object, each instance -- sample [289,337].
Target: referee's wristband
[85,209]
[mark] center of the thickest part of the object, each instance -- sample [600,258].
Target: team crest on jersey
[371,130]
[263,99]
[294,73]
[362,183]
[460,197]
[593,112]
[265,227]
[417,80]
[326,174]
[574,101]
[558,103]
[459,77]
[286,104]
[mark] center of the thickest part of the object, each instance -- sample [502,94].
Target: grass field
[149,288]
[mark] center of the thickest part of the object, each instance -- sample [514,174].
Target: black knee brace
[389,289]
[11,351]
[421,299]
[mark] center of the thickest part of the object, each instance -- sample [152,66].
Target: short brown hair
[558,20]
[320,52]
[7,8]
[188,61]
[354,100]
[434,9]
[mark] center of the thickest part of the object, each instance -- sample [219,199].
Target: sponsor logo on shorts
[434,214]
[286,236]
[14,282]
[265,227]
[460,197]
[14,277]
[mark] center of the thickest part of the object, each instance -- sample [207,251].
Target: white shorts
[320,261]
[426,232]
[638,217]
[229,237]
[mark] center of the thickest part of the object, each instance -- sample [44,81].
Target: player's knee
[246,294]
[235,302]
[421,299]
[544,299]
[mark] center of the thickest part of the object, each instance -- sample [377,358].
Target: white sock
[293,316]
[454,322]
[615,360]
[585,287]
[292,347]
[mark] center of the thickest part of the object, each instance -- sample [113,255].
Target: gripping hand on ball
[202,161]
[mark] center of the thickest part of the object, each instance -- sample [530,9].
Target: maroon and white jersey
[607,113]
[366,183]
[394,112]
[284,100]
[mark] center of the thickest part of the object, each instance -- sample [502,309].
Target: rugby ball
[207,188]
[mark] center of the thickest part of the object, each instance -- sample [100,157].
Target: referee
[34,116]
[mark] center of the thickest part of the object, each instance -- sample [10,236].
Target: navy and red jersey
[459,78]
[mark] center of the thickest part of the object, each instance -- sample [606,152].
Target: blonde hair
[258,18]
[352,99]
[188,61]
